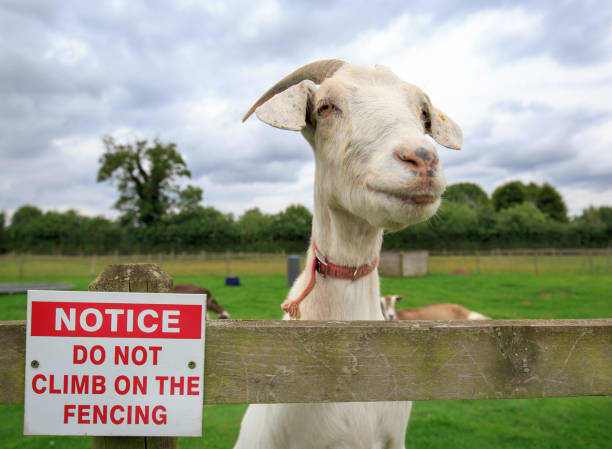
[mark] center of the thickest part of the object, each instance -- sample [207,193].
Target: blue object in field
[232,281]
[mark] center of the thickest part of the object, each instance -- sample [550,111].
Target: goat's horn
[315,71]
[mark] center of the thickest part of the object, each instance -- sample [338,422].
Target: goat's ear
[444,130]
[289,108]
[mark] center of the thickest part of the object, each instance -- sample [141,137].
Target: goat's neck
[344,239]
[349,241]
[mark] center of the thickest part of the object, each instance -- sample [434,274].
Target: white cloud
[595,143]
[578,199]
[531,98]
[539,135]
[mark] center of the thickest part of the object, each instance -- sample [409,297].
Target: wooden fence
[281,361]
[581,252]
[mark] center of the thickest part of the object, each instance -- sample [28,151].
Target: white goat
[435,311]
[375,169]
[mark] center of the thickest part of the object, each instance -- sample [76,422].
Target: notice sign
[123,364]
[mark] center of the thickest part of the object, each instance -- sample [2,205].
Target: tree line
[463,223]
[200,229]
[160,216]
[516,216]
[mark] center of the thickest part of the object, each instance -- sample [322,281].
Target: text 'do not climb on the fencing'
[103,363]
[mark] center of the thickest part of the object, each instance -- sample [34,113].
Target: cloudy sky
[529,82]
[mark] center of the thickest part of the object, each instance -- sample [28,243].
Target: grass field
[505,288]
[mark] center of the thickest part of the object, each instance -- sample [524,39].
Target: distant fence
[591,261]
[585,261]
[581,252]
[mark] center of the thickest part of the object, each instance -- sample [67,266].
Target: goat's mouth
[406,197]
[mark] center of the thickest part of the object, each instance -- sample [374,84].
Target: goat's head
[368,130]
[387,305]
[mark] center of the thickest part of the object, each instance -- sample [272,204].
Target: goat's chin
[394,213]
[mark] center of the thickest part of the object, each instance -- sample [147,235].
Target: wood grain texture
[138,277]
[12,361]
[299,361]
[134,277]
[134,443]
[320,361]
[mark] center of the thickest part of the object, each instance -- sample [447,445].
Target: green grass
[521,423]
[510,295]
[538,423]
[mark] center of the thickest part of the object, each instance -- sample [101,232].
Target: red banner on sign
[119,320]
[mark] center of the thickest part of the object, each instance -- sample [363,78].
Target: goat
[211,303]
[375,169]
[436,311]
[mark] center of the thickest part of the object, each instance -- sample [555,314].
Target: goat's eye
[325,109]
[426,118]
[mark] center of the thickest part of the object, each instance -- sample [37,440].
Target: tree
[522,225]
[255,230]
[532,191]
[549,201]
[508,195]
[204,228]
[25,215]
[605,212]
[291,227]
[467,193]
[189,199]
[545,197]
[595,226]
[146,177]
[23,223]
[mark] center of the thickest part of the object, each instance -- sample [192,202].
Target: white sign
[126,364]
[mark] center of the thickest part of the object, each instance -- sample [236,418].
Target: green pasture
[511,288]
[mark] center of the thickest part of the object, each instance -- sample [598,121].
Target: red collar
[326,268]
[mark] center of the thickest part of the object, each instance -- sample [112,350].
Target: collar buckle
[322,266]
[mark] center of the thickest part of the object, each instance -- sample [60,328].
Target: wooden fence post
[227,263]
[92,265]
[147,278]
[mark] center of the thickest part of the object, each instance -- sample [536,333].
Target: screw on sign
[117,364]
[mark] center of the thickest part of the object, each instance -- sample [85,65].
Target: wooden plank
[12,361]
[146,278]
[319,361]
[260,362]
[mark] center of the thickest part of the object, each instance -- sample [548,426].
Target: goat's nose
[421,161]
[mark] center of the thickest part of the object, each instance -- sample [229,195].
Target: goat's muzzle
[420,162]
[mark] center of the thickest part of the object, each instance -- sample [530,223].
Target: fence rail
[581,252]
[318,361]
[154,257]
[592,261]
[241,255]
